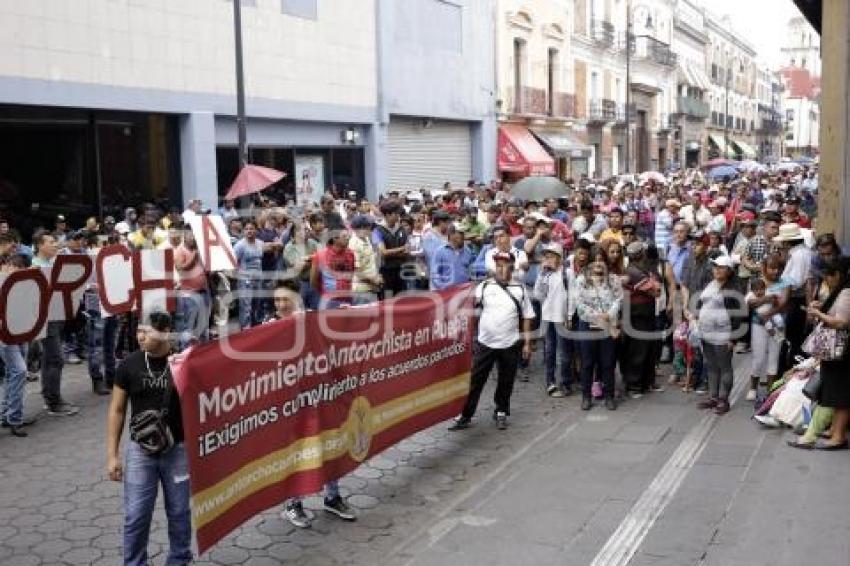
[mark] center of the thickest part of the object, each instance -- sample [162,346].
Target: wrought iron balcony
[648,48]
[693,107]
[563,105]
[621,114]
[601,111]
[602,32]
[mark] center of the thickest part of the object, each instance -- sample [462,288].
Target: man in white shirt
[799,264]
[505,308]
[192,210]
[695,214]
[502,244]
[551,290]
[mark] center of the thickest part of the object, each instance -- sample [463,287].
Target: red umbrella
[253,179]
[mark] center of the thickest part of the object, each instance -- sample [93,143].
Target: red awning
[520,152]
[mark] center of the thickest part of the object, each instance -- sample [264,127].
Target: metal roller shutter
[427,154]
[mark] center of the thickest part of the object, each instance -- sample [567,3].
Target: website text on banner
[280,409]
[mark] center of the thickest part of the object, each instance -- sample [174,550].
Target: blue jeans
[250,302]
[52,362]
[331,493]
[193,315]
[102,336]
[552,342]
[14,358]
[142,476]
[597,353]
[309,296]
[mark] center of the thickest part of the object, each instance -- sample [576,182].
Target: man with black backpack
[505,310]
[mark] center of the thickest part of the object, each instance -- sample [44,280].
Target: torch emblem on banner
[359,427]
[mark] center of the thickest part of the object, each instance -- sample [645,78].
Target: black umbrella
[539,188]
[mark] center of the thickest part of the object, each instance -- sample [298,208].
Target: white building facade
[730,59]
[690,106]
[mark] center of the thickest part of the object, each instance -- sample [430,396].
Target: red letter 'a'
[67,288]
[13,279]
[211,237]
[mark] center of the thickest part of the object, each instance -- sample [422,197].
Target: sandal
[830,446]
[795,443]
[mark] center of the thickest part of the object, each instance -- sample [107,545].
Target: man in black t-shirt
[144,378]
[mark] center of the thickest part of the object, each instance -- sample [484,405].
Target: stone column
[197,158]
[833,204]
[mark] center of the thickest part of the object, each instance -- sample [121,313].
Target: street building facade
[731,60]
[802,89]
[536,101]
[769,128]
[690,108]
[609,79]
[435,106]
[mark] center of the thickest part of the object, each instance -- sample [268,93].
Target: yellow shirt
[365,262]
[610,234]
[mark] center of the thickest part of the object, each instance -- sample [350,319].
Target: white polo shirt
[552,294]
[498,326]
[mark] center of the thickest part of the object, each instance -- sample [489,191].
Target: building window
[714,118]
[519,75]
[300,8]
[789,114]
[551,80]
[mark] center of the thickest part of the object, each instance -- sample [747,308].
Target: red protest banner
[278,410]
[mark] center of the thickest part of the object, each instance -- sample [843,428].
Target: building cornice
[735,39]
[690,31]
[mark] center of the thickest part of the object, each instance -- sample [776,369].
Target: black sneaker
[294,513]
[610,404]
[586,403]
[100,388]
[62,409]
[25,422]
[460,423]
[501,421]
[339,508]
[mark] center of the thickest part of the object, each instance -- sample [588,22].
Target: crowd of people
[606,283]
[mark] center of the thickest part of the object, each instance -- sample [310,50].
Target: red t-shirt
[336,269]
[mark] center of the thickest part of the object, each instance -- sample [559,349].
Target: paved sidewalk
[553,489]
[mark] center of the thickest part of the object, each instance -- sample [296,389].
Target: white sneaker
[751,395]
[768,421]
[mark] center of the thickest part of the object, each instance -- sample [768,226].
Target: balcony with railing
[601,111]
[693,107]
[621,114]
[602,32]
[563,105]
[663,123]
[648,48]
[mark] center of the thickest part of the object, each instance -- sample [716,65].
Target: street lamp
[629,25]
[240,86]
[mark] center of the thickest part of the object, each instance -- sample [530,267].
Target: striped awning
[745,149]
[720,143]
[693,75]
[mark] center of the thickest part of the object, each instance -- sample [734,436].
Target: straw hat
[789,232]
